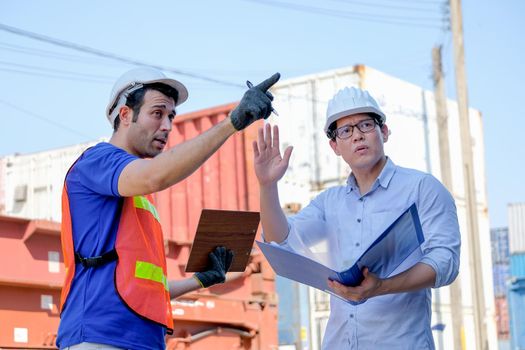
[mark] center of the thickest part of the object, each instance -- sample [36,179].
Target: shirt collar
[387,173]
[383,179]
[350,183]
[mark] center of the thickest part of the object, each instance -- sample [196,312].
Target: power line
[17,71]
[43,53]
[39,117]
[115,57]
[383,6]
[82,75]
[110,56]
[105,54]
[104,61]
[366,17]
[49,54]
[419,2]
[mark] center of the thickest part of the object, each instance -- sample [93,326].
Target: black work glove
[255,104]
[220,260]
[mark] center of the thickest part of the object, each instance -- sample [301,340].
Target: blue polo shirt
[94,311]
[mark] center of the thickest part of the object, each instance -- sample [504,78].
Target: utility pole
[478,297]
[446,178]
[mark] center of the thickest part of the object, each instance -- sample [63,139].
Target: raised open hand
[269,165]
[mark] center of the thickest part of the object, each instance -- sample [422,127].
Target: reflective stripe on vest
[143,203]
[152,272]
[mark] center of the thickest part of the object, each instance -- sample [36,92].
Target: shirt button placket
[352,339]
[358,238]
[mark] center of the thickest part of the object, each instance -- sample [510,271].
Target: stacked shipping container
[501,267]
[31,276]
[516,292]
[502,318]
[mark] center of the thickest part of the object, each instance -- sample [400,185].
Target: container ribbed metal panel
[516,213]
[500,273]
[517,265]
[294,321]
[516,303]
[499,240]
[502,317]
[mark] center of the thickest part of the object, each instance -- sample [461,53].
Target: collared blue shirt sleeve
[439,221]
[101,168]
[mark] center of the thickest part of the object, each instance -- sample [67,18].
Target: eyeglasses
[345,131]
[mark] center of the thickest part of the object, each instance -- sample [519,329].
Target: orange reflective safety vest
[141,273]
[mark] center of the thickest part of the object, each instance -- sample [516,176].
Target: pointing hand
[255,104]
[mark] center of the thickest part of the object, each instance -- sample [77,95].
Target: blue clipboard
[394,251]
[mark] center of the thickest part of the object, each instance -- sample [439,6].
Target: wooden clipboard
[234,230]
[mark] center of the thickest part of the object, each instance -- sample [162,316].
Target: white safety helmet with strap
[135,79]
[350,101]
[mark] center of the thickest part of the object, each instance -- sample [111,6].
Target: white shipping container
[516,217]
[413,143]
[32,183]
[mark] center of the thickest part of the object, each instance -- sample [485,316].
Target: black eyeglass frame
[335,132]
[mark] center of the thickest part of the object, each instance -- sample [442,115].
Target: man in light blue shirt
[394,312]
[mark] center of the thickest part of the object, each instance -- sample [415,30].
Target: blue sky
[52,97]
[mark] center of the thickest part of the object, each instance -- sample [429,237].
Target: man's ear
[385,132]
[333,144]
[126,115]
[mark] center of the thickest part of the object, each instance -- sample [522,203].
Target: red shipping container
[241,313]
[31,275]
[502,317]
[225,181]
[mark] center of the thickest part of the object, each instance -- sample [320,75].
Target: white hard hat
[349,101]
[133,80]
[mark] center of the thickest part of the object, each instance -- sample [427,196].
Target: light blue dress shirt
[350,221]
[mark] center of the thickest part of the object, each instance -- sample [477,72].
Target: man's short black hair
[331,129]
[136,99]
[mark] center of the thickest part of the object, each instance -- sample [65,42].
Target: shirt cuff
[444,275]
